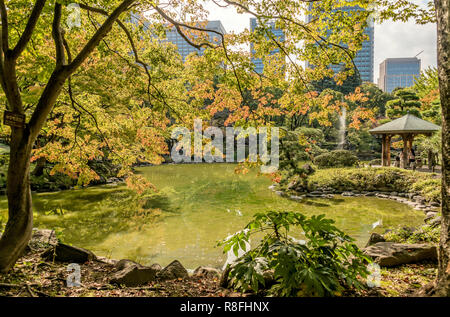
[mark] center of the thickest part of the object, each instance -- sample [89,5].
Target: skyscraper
[398,72]
[184,48]
[278,35]
[364,58]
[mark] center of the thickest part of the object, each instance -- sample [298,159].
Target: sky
[392,39]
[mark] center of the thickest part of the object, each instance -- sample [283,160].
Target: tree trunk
[443,31]
[40,166]
[20,216]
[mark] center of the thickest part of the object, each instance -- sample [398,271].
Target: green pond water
[199,204]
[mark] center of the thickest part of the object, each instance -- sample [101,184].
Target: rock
[279,193]
[394,194]
[43,236]
[375,238]
[298,198]
[272,187]
[67,253]
[435,204]
[435,222]
[269,278]
[419,199]
[308,169]
[124,263]
[106,260]
[156,267]
[368,194]
[173,271]
[348,194]
[429,216]
[392,254]
[207,271]
[133,275]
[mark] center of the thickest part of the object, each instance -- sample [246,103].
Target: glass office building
[278,35]
[398,72]
[364,58]
[184,48]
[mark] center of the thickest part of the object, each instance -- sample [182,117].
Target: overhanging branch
[29,28]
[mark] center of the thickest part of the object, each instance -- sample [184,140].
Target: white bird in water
[377,223]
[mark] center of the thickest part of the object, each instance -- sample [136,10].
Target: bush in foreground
[324,264]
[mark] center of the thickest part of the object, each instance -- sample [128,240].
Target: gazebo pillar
[405,152]
[386,150]
[407,146]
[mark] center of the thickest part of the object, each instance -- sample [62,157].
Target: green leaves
[324,264]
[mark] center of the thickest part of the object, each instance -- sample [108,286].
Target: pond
[196,206]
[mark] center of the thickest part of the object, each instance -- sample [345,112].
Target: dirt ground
[34,277]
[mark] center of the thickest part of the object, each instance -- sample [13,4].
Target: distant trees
[427,88]
[406,101]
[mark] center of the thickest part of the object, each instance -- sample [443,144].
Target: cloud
[405,40]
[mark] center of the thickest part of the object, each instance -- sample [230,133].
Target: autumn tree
[332,37]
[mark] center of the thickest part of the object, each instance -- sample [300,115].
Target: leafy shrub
[425,233]
[429,188]
[388,179]
[324,264]
[375,162]
[337,158]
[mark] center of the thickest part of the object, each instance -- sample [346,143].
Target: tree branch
[57,37]
[29,28]
[99,35]
[4,19]
[59,75]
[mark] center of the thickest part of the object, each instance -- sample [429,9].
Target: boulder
[173,271]
[430,215]
[124,263]
[133,275]
[67,253]
[269,278]
[106,260]
[392,254]
[435,221]
[207,271]
[43,236]
[308,169]
[297,198]
[375,238]
[156,267]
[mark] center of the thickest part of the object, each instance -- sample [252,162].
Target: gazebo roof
[406,124]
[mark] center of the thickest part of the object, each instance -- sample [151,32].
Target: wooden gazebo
[407,127]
